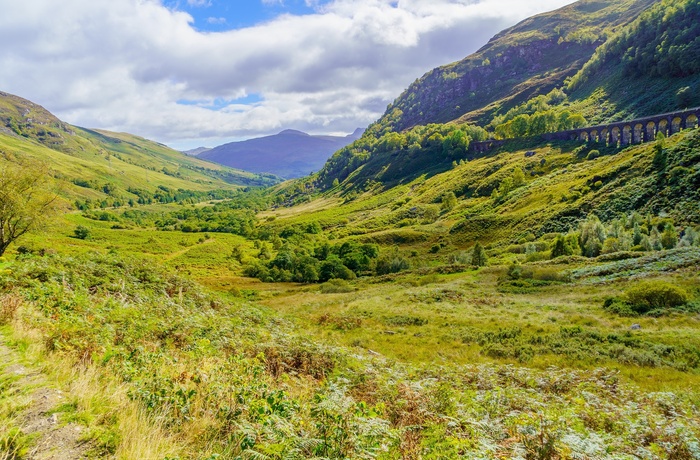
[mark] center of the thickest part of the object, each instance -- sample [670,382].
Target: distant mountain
[197,151]
[288,154]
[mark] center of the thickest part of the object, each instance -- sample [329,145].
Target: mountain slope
[647,65]
[288,154]
[105,167]
[528,59]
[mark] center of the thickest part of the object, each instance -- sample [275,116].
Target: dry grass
[99,401]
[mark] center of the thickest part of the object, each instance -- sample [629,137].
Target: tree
[561,247]
[518,177]
[669,238]
[26,201]
[592,236]
[479,258]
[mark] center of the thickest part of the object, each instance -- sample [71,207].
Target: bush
[336,286]
[479,258]
[392,264]
[618,307]
[81,232]
[654,295]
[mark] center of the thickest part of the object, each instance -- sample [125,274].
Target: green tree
[561,247]
[505,187]
[660,159]
[669,238]
[479,258]
[26,201]
[592,236]
[518,177]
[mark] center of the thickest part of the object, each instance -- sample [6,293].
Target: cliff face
[510,77]
[529,59]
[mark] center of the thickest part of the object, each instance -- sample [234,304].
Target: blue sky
[192,73]
[221,15]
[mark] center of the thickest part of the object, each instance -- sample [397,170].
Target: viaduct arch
[635,131]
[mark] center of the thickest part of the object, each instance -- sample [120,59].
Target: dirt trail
[52,439]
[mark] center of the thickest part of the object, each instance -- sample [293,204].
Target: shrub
[561,247]
[392,264]
[655,294]
[593,154]
[404,320]
[81,232]
[618,307]
[336,286]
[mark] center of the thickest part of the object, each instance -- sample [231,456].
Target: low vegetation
[414,299]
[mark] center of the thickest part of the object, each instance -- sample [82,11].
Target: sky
[192,73]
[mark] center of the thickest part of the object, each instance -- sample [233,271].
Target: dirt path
[31,391]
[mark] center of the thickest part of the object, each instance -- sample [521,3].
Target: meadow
[152,329]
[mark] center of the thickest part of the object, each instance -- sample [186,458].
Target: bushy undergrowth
[654,298]
[586,345]
[230,380]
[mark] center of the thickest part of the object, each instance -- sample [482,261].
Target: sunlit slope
[562,183]
[94,164]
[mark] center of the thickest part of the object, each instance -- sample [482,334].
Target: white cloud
[124,64]
[199,3]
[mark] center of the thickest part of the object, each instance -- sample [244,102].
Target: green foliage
[432,142]
[479,257]
[392,263]
[536,117]
[336,286]
[592,236]
[662,42]
[81,232]
[305,264]
[561,247]
[448,201]
[648,296]
[26,201]
[669,238]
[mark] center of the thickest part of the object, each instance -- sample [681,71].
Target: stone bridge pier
[635,131]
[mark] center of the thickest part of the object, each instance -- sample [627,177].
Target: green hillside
[415,299]
[519,63]
[597,87]
[104,168]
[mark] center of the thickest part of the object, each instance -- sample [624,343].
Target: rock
[635,327]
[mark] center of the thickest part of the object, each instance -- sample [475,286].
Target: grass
[203,375]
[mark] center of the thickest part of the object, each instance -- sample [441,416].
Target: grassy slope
[122,160]
[560,190]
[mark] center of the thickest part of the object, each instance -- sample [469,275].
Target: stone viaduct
[629,132]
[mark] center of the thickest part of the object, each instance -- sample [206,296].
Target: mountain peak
[293,132]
